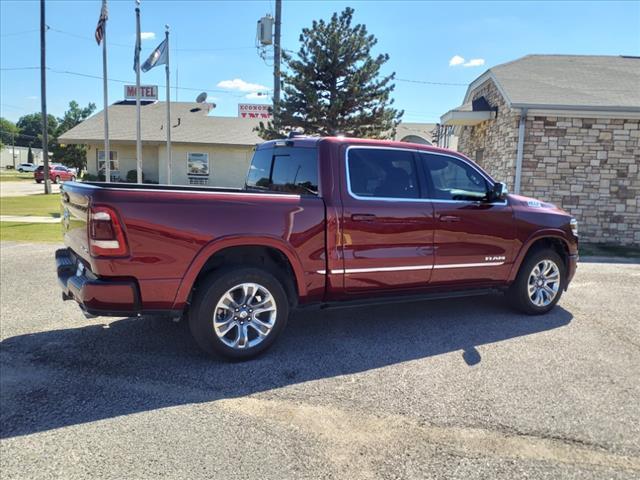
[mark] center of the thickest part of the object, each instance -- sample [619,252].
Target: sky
[213,46]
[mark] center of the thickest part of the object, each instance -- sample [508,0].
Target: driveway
[14,189]
[444,389]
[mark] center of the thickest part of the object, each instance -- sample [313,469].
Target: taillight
[106,237]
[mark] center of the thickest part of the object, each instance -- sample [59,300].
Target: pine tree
[30,155]
[334,85]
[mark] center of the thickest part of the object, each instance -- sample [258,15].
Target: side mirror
[499,191]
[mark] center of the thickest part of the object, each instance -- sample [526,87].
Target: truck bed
[172,231]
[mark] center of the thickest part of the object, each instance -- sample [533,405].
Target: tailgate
[75,198]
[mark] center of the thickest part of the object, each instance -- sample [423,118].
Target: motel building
[205,149]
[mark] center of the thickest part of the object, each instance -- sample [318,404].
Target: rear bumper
[94,295]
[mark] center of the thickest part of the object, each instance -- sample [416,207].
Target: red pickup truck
[320,222]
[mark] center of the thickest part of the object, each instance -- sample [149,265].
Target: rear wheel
[21,170]
[57,179]
[238,313]
[38,181]
[539,284]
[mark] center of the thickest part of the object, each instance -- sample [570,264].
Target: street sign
[254,110]
[147,92]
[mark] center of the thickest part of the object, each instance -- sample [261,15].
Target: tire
[522,293]
[38,181]
[57,179]
[20,170]
[208,301]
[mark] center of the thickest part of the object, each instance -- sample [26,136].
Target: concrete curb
[27,219]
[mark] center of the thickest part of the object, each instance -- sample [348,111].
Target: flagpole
[166,68]
[107,151]
[138,127]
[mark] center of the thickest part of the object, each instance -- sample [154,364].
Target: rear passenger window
[382,173]
[287,170]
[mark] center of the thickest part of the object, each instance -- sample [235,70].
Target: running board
[364,302]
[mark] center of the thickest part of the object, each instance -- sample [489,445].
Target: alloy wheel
[245,315]
[544,283]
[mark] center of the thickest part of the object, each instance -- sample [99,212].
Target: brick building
[565,129]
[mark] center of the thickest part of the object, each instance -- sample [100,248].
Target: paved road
[461,389]
[14,189]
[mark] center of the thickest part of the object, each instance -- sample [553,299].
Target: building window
[113,156]
[198,165]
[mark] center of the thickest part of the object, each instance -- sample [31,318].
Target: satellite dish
[202,97]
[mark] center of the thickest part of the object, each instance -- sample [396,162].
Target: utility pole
[43,98]
[276,61]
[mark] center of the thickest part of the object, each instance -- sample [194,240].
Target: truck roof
[309,142]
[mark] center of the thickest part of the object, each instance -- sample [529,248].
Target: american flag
[102,21]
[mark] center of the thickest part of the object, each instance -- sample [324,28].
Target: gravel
[460,388]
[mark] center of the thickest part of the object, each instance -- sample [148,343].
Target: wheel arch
[272,254]
[546,239]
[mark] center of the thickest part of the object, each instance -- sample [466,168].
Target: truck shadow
[59,378]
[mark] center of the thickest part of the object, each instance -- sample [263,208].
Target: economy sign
[254,110]
[147,92]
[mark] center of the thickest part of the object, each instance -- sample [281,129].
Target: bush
[132,176]
[89,177]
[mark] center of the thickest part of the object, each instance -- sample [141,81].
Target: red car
[57,174]
[321,222]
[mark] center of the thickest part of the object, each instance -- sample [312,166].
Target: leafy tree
[334,85]
[31,130]
[8,132]
[72,155]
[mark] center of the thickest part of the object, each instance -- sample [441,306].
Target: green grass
[607,250]
[31,232]
[31,205]
[11,176]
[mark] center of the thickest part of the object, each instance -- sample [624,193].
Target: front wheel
[238,313]
[21,170]
[38,181]
[73,178]
[539,284]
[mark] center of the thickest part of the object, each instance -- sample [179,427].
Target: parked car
[321,222]
[26,167]
[57,174]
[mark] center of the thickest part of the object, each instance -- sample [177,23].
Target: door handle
[363,217]
[449,218]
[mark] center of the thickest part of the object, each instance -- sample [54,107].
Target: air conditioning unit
[265,30]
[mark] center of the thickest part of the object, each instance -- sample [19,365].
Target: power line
[20,68]
[431,83]
[19,33]
[91,39]
[98,77]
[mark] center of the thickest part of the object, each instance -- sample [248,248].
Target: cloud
[147,35]
[256,95]
[239,84]
[474,62]
[457,60]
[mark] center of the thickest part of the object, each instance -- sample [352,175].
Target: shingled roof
[589,82]
[190,124]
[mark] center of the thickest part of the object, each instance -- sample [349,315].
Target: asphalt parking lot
[443,389]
